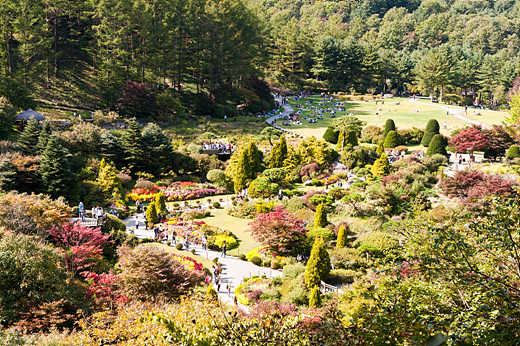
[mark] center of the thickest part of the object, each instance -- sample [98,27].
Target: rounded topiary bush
[389,126]
[216,205]
[178,246]
[242,257]
[256,260]
[324,233]
[391,140]
[513,152]
[331,136]
[432,129]
[437,145]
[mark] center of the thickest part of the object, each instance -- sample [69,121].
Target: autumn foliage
[281,231]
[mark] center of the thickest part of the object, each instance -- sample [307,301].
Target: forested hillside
[208,56]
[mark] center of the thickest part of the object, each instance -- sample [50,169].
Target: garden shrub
[315,297]
[371,134]
[513,152]
[386,246]
[432,129]
[389,126]
[292,271]
[264,207]
[294,204]
[189,215]
[306,215]
[318,265]
[401,148]
[309,169]
[324,233]
[320,218]
[330,135]
[242,257]
[266,263]
[243,211]
[298,293]
[219,239]
[262,187]
[178,246]
[277,281]
[259,252]
[216,205]
[347,258]
[437,146]
[391,140]
[256,260]
[276,264]
[337,193]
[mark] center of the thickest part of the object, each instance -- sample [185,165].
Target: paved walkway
[287,110]
[234,270]
[457,113]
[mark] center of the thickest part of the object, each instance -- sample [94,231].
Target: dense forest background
[205,57]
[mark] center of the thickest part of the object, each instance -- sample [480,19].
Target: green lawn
[238,226]
[403,114]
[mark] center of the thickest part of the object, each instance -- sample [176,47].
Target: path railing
[326,288]
[90,222]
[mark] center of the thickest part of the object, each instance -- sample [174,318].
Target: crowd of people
[221,147]
[97,212]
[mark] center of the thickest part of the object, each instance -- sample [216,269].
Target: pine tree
[29,138]
[437,145]
[279,153]
[342,238]
[131,142]
[432,129]
[341,141]
[331,135]
[55,174]
[389,126]
[380,148]
[45,134]
[391,140]
[7,175]
[160,203]
[110,149]
[158,149]
[320,218]
[315,298]
[151,213]
[351,138]
[318,265]
[381,167]
[109,181]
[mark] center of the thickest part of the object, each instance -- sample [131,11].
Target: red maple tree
[470,139]
[81,245]
[281,231]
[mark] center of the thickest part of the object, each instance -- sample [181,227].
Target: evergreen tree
[351,138]
[315,298]
[151,213]
[380,148]
[318,265]
[253,155]
[331,135]
[381,167]
[160,203]
[158,149]
[131,142]
[109,181]
[7,175]
[110,149]
[242,171]
[437,145]
[432,129]
[320,218]
[45,134]
[29,138]
[391,140]
[7,117]
[341,141]
[342,238]
[279,153]
[389,126]
[55,174]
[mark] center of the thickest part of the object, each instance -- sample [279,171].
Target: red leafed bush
[102,291]
[254,296]
[470,139]
[472,187]
[280,230]
[309,169]
[82,245]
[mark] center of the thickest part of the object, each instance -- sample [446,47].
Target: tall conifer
[318,265]
[29,138]
[55,174]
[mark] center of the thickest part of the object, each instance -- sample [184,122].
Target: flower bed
[189,262]
[180,191]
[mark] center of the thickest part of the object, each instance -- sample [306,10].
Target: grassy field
[238,226]
[406,114]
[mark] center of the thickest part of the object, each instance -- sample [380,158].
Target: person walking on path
[224,248]
[81,211]
[204,242]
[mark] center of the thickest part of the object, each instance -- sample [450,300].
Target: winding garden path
[287,110]
[456,113]
[234,270]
